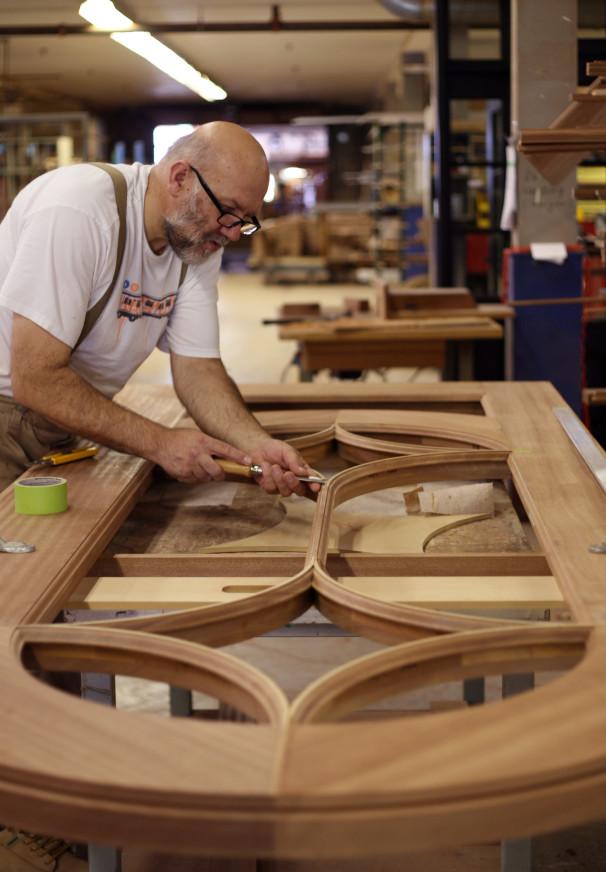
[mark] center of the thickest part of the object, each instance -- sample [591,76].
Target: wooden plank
[437,429]
[576,138]
[548,472]
[370,353]
[343,394]
[461,592]
[164,592]
[101,493]
[465,397]
[553,162]
[176,565]
[468,327]
[282,564]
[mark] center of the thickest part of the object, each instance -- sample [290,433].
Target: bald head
[207,186]
[226,154]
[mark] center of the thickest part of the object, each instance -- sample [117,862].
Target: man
[58,245]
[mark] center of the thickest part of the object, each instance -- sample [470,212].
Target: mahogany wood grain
[297,784]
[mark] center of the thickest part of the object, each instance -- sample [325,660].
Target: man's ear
[177,177]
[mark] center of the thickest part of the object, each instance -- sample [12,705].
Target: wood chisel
[57,458]
[255,470]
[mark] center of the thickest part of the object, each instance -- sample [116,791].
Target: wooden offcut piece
[398,301]
[300,310]
[460,499]
[348,532]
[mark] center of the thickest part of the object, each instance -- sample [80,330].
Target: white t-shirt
[58,246]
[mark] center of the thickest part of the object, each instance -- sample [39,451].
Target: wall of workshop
[136,124]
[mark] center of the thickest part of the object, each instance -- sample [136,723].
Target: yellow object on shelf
[591,175]
[586,210]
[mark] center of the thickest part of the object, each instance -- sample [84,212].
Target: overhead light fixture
[163,57]
[293,174]
[104,16]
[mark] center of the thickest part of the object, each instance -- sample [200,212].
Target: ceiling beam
[215,27]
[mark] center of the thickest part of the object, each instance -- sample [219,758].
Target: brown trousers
[24,437]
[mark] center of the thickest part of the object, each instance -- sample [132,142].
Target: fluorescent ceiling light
[292,174]
[104,15]
[161,56]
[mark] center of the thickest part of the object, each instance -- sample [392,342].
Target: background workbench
[363,344]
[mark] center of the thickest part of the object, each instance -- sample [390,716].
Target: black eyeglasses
[247,226]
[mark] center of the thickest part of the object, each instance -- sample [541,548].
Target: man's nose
[232,233]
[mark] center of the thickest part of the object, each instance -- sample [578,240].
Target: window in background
[298,160]
[167,134]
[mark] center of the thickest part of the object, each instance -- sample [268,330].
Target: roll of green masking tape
[41,495]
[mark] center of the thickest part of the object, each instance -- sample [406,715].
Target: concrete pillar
[543,75]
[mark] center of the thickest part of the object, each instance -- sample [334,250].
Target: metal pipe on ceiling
[218,27]
[410,15]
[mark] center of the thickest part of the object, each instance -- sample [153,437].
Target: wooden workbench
[303,780]
[372,343]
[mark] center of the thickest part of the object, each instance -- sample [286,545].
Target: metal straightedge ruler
[589,451]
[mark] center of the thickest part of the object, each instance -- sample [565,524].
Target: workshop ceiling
[61,67]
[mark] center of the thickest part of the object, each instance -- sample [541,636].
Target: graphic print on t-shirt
[134,304]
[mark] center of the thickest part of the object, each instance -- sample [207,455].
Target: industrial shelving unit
[394,149]
[31,144]
[456,158]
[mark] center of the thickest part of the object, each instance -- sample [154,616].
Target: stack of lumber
[303,246]
[290,249]
[556,150]
[347,237]
[281,237]
[336,236]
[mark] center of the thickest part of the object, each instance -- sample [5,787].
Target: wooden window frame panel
[298,783]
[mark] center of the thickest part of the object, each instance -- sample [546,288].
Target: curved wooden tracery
[294,784]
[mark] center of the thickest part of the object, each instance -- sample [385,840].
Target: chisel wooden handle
[233,468]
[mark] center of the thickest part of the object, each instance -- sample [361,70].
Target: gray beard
[183,246]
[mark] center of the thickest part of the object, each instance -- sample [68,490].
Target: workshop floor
[252,353]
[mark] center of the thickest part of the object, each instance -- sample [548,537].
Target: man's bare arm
[213,400]
[43,381]
[216,405]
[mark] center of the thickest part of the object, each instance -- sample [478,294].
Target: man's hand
[187,455]
[281,465]
[214,402]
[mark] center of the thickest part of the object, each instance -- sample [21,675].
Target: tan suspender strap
[119,183]
[93,314]
[182,275]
